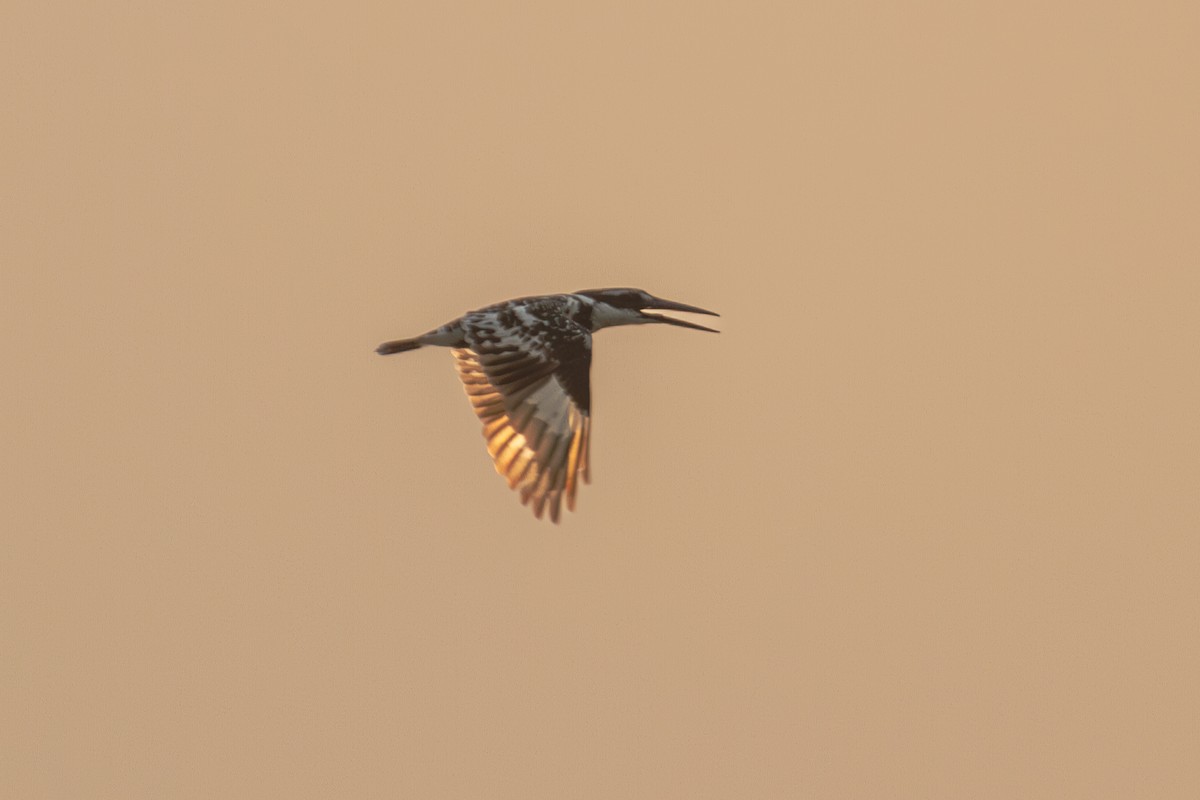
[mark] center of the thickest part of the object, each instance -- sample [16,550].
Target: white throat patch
[605,316]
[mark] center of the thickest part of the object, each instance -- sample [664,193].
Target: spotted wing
[534,405]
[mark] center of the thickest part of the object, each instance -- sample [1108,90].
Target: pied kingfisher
[524,364]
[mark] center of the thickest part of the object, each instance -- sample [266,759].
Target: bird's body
[525,365]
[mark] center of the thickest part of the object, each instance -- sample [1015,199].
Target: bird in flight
[524,364]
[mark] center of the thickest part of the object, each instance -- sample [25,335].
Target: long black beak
[671,305]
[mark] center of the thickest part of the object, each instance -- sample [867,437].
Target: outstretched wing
[532,395]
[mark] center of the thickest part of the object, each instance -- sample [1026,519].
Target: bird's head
[627,307]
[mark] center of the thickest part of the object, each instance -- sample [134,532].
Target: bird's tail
[398,346]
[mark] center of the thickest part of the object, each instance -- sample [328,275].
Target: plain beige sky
[920,523]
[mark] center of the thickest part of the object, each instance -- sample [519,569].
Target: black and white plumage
[525,364]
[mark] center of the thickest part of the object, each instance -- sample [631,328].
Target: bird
[525,364]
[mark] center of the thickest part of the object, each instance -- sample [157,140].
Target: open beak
[670,305]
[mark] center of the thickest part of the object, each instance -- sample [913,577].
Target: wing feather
[536,430]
